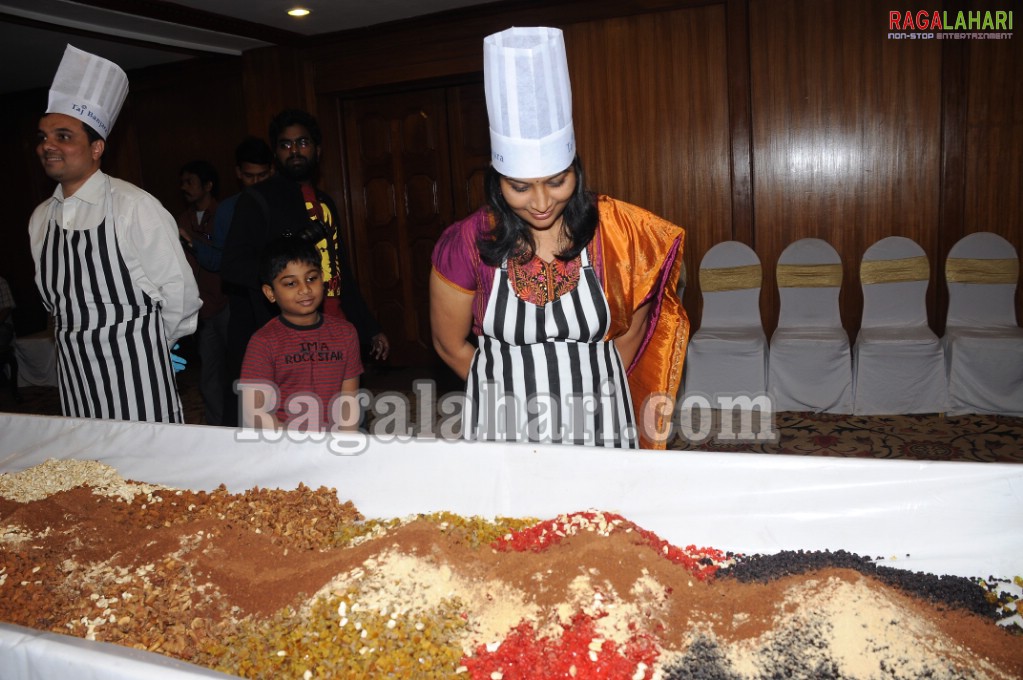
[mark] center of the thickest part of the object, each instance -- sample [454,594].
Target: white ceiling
[327,16]
[33,33]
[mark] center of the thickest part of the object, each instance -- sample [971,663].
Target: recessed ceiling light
[298,12]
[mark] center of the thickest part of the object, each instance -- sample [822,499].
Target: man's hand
[379,347]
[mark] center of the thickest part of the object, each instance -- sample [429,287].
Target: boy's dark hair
[290,117]
[282,251]
[205,172]
[253,150]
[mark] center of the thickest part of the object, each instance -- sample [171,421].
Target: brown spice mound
[259,584]
[161,571]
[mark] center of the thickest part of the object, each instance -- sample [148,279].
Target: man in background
[199,185]
[109,264]
[253,163]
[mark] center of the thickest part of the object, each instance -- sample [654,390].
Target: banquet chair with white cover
[983,341]
[809,362]
[898,362]
[728,354]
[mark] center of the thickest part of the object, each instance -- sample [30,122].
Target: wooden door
[400,189]
[414,166]
[470,146]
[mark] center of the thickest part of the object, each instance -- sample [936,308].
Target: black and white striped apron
[546,374]
[112,354]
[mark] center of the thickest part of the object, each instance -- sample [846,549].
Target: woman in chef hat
[569,298]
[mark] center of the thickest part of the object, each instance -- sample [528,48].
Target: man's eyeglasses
[289,144]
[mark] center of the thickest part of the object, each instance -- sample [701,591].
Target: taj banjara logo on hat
[83,112]
[89,88]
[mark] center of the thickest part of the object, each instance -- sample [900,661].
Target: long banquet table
[948,518]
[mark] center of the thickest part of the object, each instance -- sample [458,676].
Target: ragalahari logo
[943,25]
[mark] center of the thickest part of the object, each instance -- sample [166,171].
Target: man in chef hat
[570,297]
[109,265]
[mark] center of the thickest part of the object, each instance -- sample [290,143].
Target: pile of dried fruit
[268,584]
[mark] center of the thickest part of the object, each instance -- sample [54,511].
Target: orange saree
[642,260]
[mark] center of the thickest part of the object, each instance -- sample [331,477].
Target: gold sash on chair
[809,275]
[719,279]
[972,270]
[895,271]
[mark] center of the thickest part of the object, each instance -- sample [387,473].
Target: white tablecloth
[950,518]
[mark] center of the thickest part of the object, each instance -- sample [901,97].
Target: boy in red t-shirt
[301,365]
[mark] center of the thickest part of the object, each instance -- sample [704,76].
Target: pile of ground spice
[270,584]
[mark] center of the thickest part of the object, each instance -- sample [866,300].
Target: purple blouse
[456,258]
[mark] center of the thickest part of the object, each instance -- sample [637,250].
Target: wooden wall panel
[993,183]
[740,121]
[469,133]
[187,114]
[274,79]
[950,226]
[846,134]
[652,119]
[450,43]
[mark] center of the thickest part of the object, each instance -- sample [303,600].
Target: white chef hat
[529,102]
[89,88]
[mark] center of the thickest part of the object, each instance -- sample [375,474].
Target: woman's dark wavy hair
[511,236]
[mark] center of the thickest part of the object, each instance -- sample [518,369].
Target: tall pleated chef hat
[89,88]
[529,102]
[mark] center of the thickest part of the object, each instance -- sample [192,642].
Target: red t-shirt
[313,359]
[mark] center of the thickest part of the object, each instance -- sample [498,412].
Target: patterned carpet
[979,438]
[919,437]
